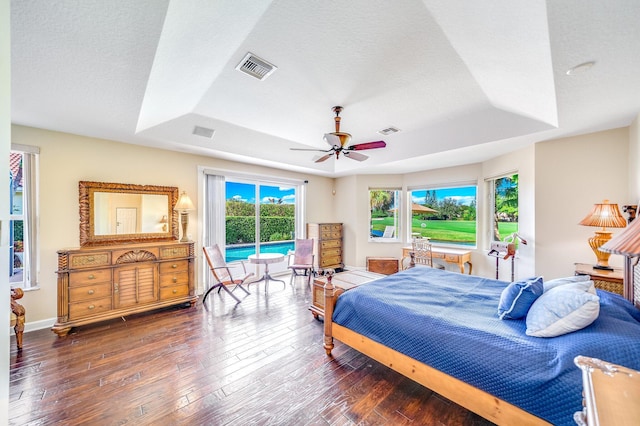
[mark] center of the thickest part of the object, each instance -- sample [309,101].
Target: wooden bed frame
[463,394]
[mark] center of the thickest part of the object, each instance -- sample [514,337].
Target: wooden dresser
[99,283]
[327,245]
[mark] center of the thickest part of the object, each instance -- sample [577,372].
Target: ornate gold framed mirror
[117,213]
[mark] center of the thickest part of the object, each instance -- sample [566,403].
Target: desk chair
[222,273]
[421,253]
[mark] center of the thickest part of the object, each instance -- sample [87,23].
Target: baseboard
[36,325]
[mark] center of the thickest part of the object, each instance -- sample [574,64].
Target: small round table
[266,259]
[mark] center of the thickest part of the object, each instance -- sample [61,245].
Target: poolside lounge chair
[222,273]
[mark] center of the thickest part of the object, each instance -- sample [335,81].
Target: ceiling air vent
[203,131]
[388,131]
[256,67]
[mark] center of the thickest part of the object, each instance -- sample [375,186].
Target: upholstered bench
[17,315]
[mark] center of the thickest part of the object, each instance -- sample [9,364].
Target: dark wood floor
[258,362]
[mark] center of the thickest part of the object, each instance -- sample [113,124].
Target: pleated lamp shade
[626,243]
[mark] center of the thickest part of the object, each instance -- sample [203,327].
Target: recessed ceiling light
[581,68]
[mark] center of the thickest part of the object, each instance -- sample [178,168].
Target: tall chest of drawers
[327,245]
[100,283]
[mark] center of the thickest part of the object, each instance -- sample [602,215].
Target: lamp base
[184,221]
[603,268]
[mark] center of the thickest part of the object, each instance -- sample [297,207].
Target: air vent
[389,131]
[256,67]
[203,131]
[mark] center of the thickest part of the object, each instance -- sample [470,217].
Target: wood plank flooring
[260,362]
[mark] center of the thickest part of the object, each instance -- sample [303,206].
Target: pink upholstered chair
[302,263]
[222,273]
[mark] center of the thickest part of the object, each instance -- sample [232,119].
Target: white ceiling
[463,80]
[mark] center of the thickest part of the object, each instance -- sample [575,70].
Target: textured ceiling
[463,80]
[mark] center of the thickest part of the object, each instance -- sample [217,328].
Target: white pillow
[562,310]
[548,285]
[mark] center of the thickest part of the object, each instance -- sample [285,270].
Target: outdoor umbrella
[417,208]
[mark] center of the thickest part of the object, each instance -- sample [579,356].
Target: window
[445,215]
[504,207]
[383,223]
[249,215]
[23,215]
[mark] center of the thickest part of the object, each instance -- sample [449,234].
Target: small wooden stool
[17,315]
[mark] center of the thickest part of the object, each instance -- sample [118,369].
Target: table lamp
[603,215]
[183,206]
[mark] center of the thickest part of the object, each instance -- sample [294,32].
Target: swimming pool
[242,251]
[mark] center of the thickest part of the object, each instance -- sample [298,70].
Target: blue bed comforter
[449,321]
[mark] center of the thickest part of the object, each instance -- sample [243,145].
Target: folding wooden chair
[302,260]
[222,273]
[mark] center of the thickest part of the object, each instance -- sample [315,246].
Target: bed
[442,330]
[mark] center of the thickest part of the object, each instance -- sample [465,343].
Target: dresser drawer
[331,252]
[332,260]
[174,291]
[80,293]
[177,266]
[330,244]
[89,260]
[89,277]
[88,308]
[167,280]
[437,255]
[174,251]
[451,258]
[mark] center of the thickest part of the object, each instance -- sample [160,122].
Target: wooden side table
[603,279]
[342,282]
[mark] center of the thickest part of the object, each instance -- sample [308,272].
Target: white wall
[572,174]
[66,159]
[5,138]
[634,161]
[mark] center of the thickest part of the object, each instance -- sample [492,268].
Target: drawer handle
[91,291]
[115,287]
[175,291]
[92,277]
[91,306]
[91,259]
[175,280]
[174,266]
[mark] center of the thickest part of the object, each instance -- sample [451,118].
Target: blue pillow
[561,310]
[548,285]
[517,298]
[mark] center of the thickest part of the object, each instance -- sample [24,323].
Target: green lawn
[454,231]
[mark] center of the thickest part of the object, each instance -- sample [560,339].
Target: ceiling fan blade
[367,145]
[332,139]
[323,158]
[310,149]
[355,155]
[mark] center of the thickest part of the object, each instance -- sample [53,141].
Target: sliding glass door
[260,215]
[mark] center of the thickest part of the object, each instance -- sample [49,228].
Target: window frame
[397,223]
[442,187]
[29,217]
[491,192]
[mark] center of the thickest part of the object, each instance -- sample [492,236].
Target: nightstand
[606,280]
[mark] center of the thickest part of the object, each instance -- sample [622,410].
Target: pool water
[242,252]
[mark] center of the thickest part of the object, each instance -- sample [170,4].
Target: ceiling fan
[339,142]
